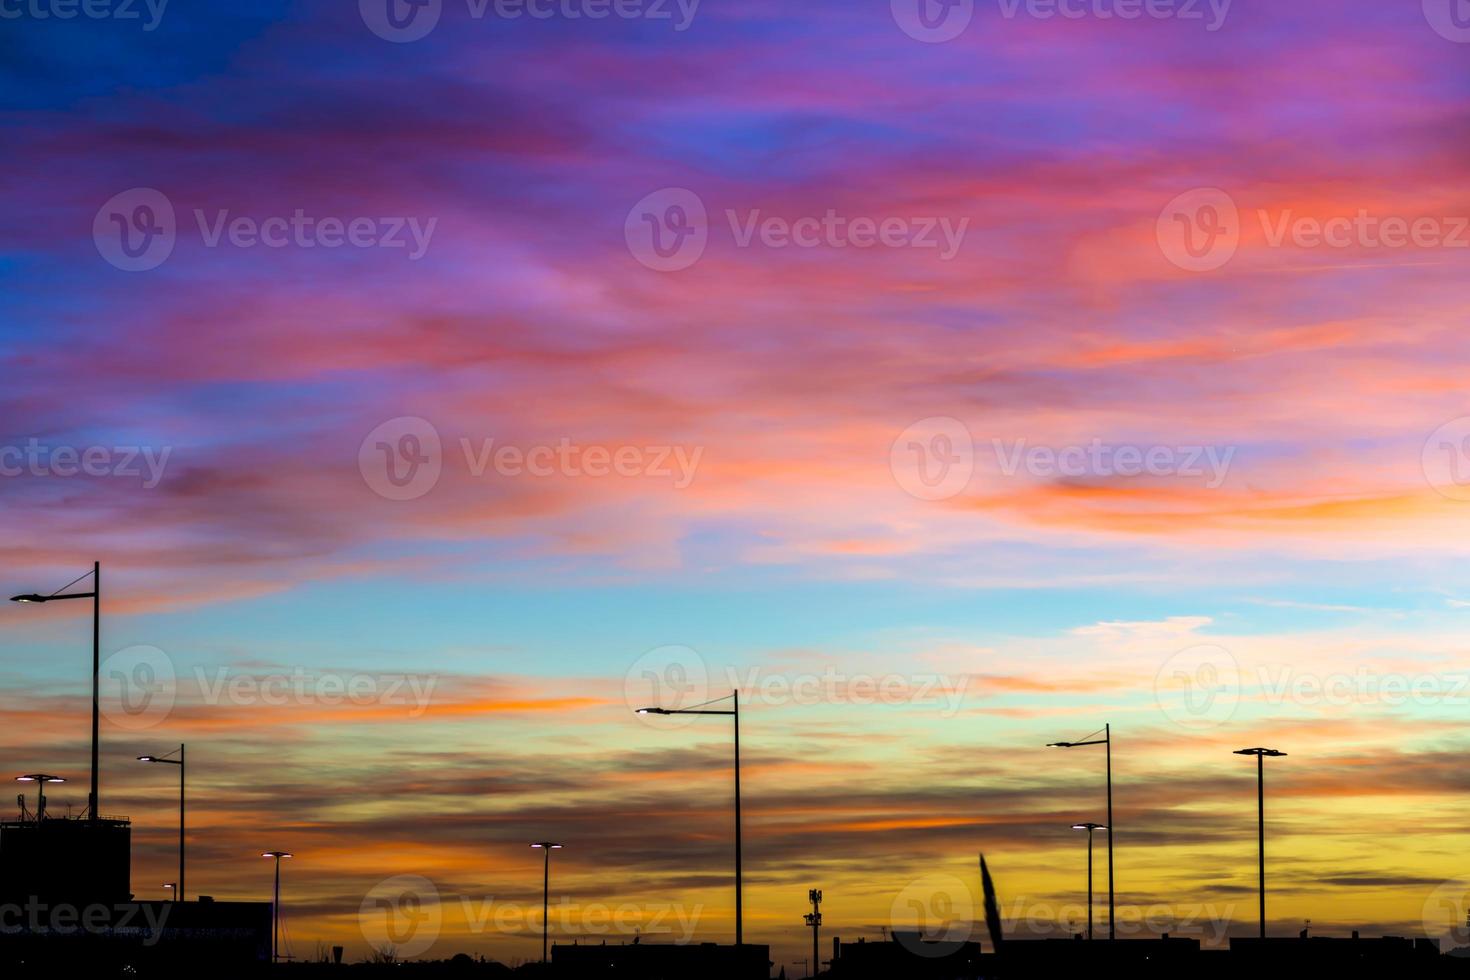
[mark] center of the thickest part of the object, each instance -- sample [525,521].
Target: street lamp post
[173,888]
[179,894]
[1261,755]
[734,712]
[40,779]
[1106,740]
[276,906]
[1089,827]
[96,596]
[547,847]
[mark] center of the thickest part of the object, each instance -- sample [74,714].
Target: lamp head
[31,597]
[654,711]
[276,854]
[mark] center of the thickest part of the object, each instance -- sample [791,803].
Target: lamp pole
[1089,827]
[179,895]
[1106,740]
[1261,755]
[96,596]
[276,906]
[546,847]
[734,713]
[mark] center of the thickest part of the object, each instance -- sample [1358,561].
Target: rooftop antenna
[814,919]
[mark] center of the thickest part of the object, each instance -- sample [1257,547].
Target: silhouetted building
[1334,953]
[66,899]
[62,861]
[658,961]
[905,954]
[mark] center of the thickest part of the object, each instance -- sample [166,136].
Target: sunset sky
[952,395]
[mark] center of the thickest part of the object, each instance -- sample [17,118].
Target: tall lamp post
[1261,755]
[546,847]
[1089,827]
[96,596]
[276,906]
[734,712]
[1106,740]
[40,779]
[179,893]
